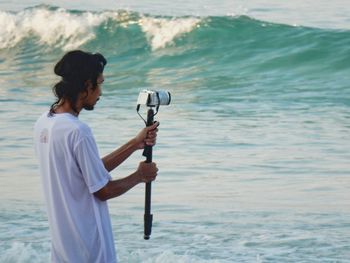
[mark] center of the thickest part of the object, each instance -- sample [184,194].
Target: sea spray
[58,27]
[162,31]
[52,27]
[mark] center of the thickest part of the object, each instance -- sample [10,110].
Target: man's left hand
[147,136]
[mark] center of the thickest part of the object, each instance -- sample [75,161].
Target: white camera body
[152,98]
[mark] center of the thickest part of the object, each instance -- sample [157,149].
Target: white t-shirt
[71,171]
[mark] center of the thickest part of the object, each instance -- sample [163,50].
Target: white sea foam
[20,252]
[162,31]
[52,27]
[167,256]
[68,30]
[40,253]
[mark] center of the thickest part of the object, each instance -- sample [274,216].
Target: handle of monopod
[147,152]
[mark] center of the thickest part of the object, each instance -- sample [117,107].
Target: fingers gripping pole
[148,217]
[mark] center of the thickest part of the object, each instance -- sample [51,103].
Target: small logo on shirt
[44,136]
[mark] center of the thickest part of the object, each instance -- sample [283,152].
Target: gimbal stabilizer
[151,99]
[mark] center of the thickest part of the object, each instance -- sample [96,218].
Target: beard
[87,106]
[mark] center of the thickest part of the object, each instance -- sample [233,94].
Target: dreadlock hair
[75,68]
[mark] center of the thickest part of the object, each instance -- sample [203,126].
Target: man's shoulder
[63,122]
[73,124]
[41,122]
[82,128]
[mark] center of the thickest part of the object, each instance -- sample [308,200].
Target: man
[76,181]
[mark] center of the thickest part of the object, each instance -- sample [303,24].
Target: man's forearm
[118,187]
[114,159]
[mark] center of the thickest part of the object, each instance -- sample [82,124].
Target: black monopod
[148,217]
[151,99]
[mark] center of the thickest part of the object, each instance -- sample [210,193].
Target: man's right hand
[147,172]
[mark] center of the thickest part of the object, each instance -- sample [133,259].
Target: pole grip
[147,152]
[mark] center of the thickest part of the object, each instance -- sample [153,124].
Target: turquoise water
[253,151]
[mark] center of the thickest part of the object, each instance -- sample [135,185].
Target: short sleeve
[94,173]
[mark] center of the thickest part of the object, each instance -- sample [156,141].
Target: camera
[152,98]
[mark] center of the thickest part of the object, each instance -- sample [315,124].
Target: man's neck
[65,107]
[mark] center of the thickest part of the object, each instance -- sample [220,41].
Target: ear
[88,86]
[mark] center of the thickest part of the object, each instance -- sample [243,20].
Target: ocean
[253,150]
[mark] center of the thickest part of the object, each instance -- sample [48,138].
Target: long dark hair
[75,68]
